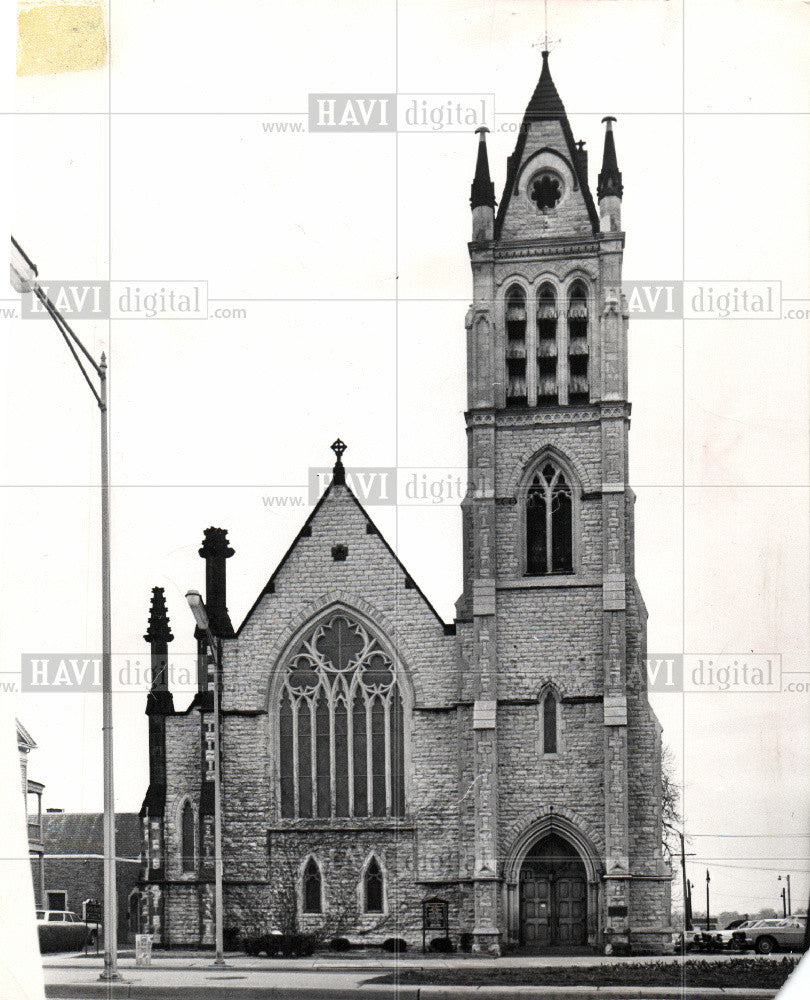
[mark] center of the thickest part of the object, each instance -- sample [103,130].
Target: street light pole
[23,279]
[200,613]
[708,879]
[110,970]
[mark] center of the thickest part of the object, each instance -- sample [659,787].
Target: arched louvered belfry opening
[546,345]
[578,384]
[341,724]
[549,521]
[516,346]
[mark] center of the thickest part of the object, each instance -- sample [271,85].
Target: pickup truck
[63,930]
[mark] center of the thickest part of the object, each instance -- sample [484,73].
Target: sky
[190,160]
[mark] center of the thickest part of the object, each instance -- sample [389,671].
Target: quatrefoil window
[546,191]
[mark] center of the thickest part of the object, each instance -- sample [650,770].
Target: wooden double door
[553,904]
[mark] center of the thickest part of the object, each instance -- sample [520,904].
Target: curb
[128,991]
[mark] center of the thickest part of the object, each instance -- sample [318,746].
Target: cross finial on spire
[338,473]
[546,43]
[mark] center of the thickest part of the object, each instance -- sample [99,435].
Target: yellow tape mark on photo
[54,37]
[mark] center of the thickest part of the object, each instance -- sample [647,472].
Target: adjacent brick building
[508,763]
[73,864]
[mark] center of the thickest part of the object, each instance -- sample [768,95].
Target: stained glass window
[341,726]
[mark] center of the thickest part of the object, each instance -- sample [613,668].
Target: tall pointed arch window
[549,522]
[516,347]
[373,887]
[546,345]
[341,726]
[549,721]
[187,837]
[312,888]
[578,387]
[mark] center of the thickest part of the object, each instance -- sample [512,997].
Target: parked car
[684,940]
[722,940]
[62,930]
[765,936]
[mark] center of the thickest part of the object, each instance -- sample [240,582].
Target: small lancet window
[515,347]
[312,896]
[546,346]
[578,387]
[187,836]
[549,528]
[549,723]
[373,887]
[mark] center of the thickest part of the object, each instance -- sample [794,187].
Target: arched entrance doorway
[553,896]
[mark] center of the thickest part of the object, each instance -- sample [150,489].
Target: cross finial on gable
[338,473]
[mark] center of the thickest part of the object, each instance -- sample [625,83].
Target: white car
[63,930]
[765,936]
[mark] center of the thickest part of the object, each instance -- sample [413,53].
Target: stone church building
[375,756]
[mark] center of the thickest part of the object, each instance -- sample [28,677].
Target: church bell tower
[547,521]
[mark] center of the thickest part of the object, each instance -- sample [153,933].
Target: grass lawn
[756,973]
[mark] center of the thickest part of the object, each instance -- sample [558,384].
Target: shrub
[231,938]
[297,945]
[465,941]
[253,945]
[340,944]
[442,944]
[395,945]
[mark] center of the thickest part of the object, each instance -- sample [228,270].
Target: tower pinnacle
[610,178]
[609,188]
[483,190]
[158,629]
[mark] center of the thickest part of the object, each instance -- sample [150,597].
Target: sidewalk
[172,977]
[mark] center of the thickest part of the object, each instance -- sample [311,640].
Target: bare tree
[671,818]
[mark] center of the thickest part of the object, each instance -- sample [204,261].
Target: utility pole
[687,895]
[688,906]
[708,879]
[786,905]
[784,902]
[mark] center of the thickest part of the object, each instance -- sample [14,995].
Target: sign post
[434,917]
[92,915]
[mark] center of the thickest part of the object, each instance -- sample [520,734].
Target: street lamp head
[195,602]
[23,269]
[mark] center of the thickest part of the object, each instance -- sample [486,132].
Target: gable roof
[24,738]
[545,105]
[83,834]
[306,532]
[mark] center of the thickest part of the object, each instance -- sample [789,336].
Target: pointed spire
[545,102]
[158,629]
[482,192]
[610,178]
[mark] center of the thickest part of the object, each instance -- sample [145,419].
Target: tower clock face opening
[546,190]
